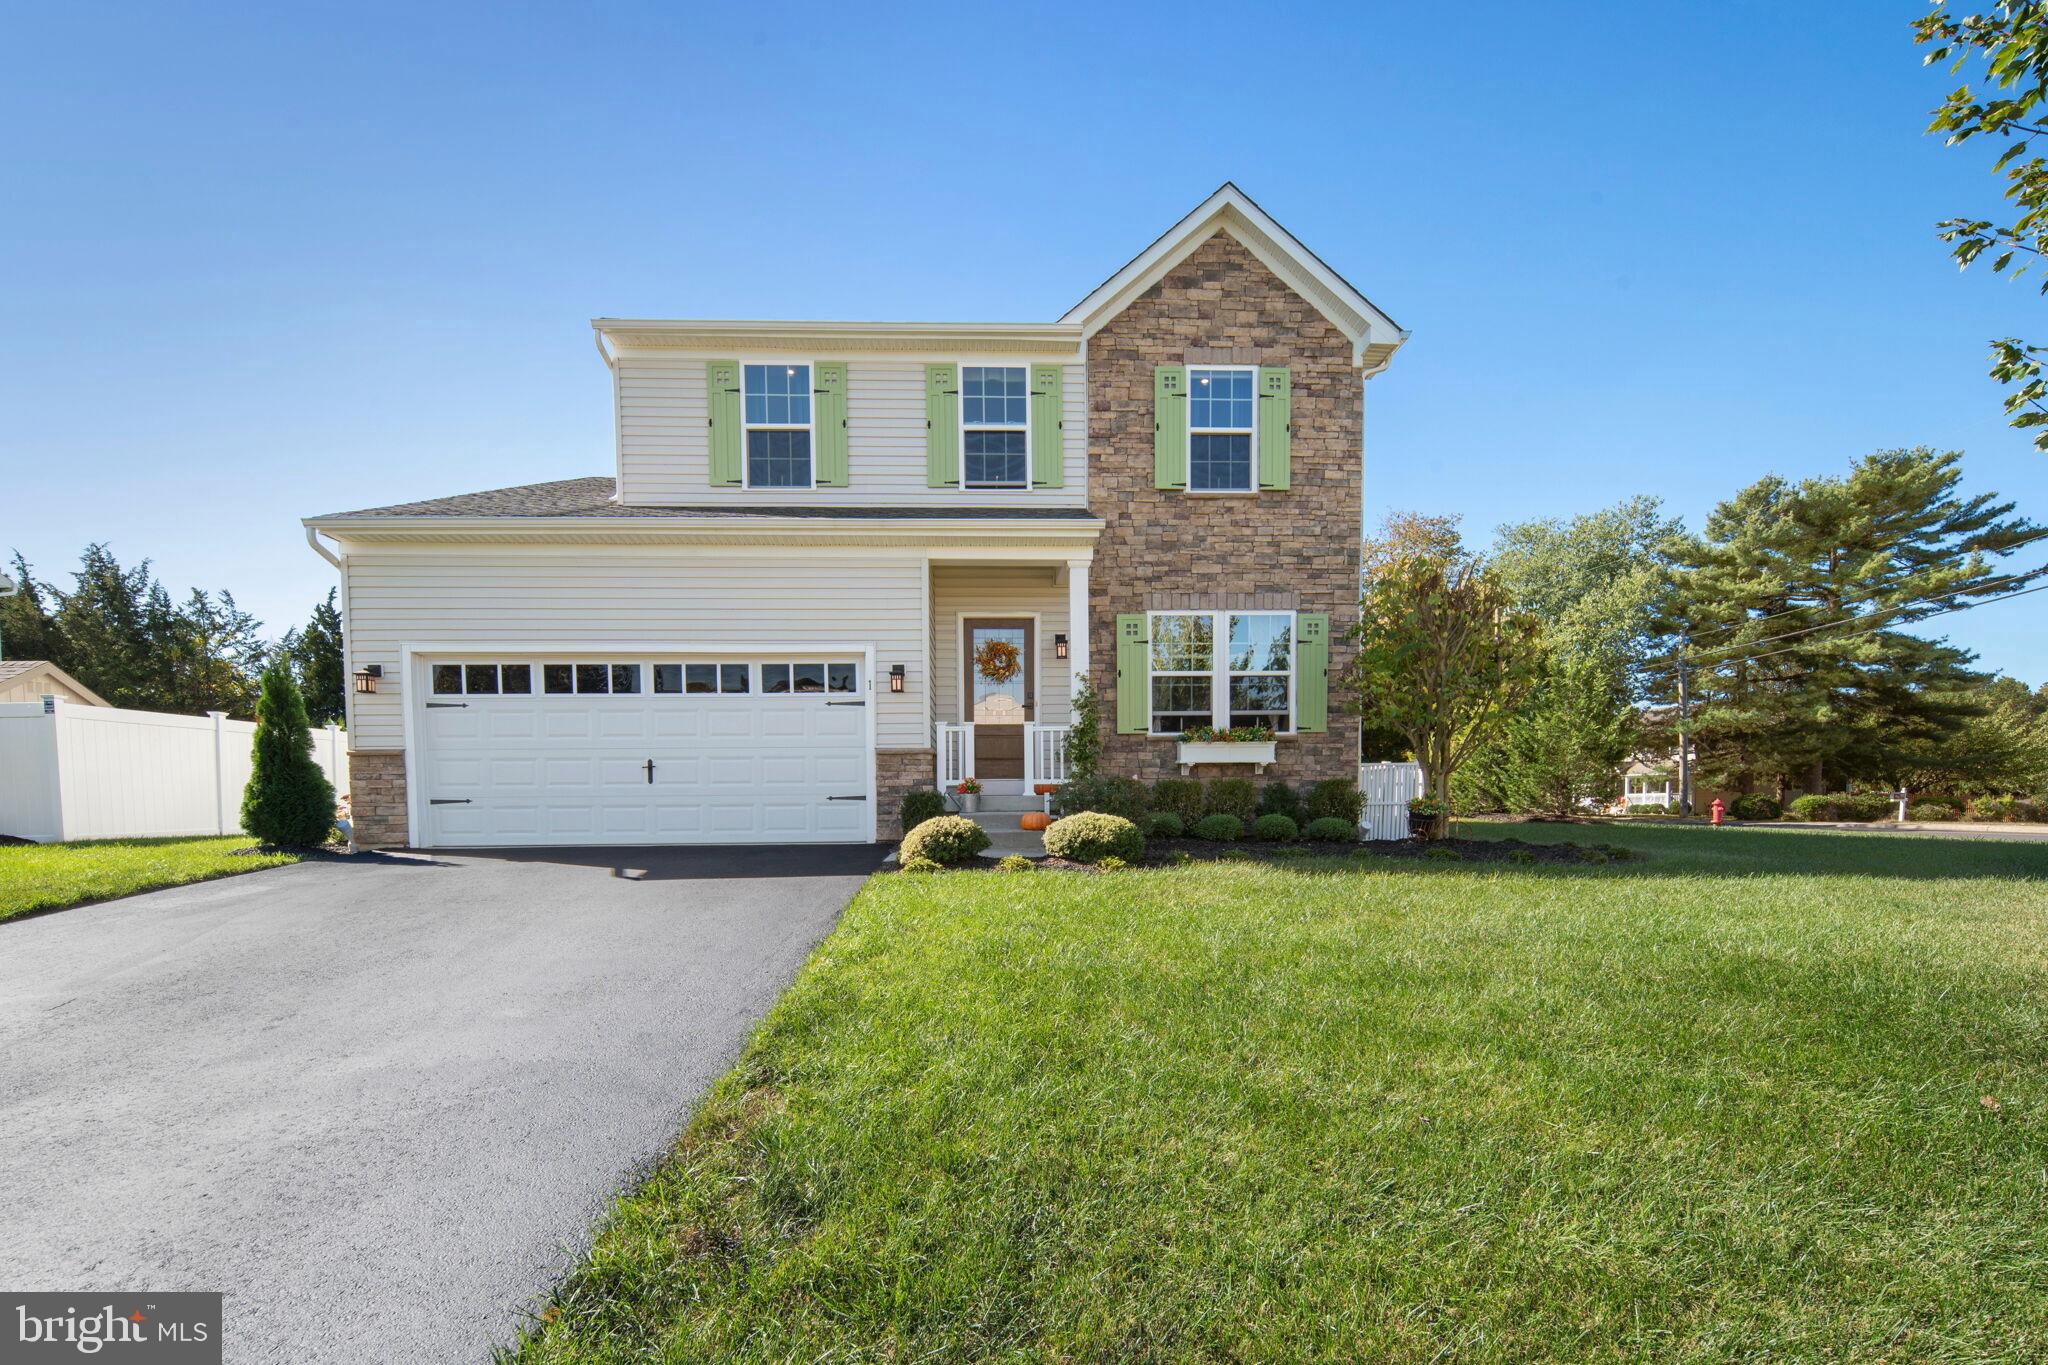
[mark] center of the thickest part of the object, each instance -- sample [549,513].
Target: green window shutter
[1133,674]
[1048,456]
[828,423]
[1276,425]
[1170,426]
[1312,672]
[722,394]
[941,425]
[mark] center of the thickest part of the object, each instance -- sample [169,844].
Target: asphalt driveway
[376,1102]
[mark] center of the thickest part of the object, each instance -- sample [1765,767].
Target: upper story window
[1220,418]
[1249,681]
[994,426]
[778,425]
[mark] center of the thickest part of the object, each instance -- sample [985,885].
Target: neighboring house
[33,679]
[766,625]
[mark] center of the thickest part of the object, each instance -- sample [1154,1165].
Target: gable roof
[21,670]
[1374,336]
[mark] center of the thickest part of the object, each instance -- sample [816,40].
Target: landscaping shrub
[920,865]
[1330,830]
[1015,862]
[1280,799]
[1840,807]
[944,839]
[1112,863]
[1234,796]
[1336,798]
[1219,829]
[289,803]
[921,805]
[1092,836]
[1275,829]
[1180,796]
[1443,853]
[1103,794]
[1930,810]
[2007,809]
[1755,806]
[1592,855]
[1166,825]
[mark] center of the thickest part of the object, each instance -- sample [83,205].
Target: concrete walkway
[377,1102]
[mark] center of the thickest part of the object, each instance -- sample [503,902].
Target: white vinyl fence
[98,772]
[1387,788]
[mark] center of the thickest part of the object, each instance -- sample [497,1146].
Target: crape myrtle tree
[1791,607]
[289,802]
[1443,657]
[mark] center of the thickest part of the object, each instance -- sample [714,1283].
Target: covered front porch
[1008,636]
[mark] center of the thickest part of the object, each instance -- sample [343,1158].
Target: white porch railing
[1638,792]
[1387,788]
[955,745]
[1045,753]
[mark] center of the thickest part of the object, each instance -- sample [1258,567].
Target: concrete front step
[1006,836]
[1010,805]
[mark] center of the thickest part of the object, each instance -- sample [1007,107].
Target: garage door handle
[846,703]
[846,798]
[447,800]
[463,705]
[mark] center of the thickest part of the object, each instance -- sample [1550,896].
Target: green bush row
[1191,801]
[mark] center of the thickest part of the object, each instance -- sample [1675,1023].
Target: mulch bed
[1172,852]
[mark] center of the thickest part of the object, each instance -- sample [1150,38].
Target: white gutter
[313,539]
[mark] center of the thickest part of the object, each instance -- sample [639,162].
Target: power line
[1950,596]
[1873,629]
[2019,544]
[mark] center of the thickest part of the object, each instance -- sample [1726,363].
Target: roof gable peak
[1374,336]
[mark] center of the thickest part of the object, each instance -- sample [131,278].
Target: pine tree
[315,654]
[26,628]
[1791,604]
[289,802]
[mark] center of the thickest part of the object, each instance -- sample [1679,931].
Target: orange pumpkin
[1033,819]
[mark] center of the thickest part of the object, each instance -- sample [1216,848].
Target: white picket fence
[99,772]
[1387,788]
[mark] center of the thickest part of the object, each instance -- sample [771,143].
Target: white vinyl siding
[547,599]
[998,590]
[665,444]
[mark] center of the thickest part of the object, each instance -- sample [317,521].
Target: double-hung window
[778,425]
[995,431]
[1222,669]
[1221,413]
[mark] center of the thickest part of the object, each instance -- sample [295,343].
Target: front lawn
[1758,1094]
[51,876]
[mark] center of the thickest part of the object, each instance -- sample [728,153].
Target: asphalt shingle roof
[592,497]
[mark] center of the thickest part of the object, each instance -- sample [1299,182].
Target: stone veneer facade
[898,771]
[1291,550]
[376,797]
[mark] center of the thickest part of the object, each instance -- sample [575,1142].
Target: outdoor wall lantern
[1059,646]
[895,677]
[366,677]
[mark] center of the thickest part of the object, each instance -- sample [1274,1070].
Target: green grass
[1760,1095]
[52,876]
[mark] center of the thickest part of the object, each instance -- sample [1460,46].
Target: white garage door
[650,750]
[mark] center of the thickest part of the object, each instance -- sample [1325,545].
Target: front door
[1000,691]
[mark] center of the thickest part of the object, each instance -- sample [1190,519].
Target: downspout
[348,694]
[618,419]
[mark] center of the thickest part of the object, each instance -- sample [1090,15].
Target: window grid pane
[732,678]
[1220,400]
[447,680]
[779,459]
[993,396]
[481,679]
[1181,644]
[995,458]
[557,678]
[1219,463]
[778,395]
[517,678]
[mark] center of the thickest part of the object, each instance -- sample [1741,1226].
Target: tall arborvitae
[289,802]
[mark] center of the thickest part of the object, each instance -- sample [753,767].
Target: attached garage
[533,748]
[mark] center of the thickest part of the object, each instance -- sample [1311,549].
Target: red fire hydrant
[1718,808]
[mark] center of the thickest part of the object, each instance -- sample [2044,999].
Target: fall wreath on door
[997,660]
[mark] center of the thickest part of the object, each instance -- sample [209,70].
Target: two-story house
[837,561]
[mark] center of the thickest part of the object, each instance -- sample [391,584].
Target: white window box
[1258,753]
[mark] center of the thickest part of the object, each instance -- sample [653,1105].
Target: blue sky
[264,263]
